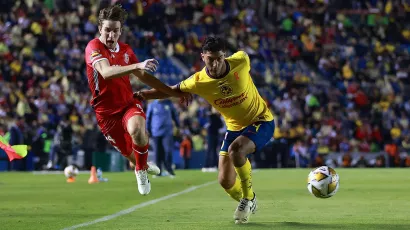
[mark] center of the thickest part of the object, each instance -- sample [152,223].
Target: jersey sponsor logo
[229,102]
[226,90]
[126,58]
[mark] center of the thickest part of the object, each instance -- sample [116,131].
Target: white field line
[138,206]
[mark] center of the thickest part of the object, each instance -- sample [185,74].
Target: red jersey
[114,95]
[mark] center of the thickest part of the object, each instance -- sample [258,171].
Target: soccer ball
[71,171]
[323,182]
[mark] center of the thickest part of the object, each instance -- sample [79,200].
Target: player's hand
[186,98]
[149,65]
[139,95]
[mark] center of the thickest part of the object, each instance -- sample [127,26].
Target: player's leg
[226,172]
[113,130]
[157,150]
[252,139]
[167,145]
[238,150]
[140,140]
[227,178]
[134,124]
[139,148]
[137,138]
[121,140]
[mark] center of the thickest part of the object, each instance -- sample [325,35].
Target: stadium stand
[335,74]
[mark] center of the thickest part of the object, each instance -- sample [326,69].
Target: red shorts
[114,127]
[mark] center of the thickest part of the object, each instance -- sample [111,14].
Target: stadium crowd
[335,73]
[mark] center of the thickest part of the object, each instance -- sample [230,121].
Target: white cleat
[144,185]
[244,210]
[153,169]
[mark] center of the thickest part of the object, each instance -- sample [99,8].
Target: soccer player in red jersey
[120,116]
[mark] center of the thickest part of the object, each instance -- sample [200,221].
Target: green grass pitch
[367,199]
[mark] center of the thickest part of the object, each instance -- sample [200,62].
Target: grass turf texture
[367,199]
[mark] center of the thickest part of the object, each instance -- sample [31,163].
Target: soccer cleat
[144,185]
[172,174]
[244,210]
[153,169]
[255,204]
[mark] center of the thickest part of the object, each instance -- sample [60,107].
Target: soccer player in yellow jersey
[226,84]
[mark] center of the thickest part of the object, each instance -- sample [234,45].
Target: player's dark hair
[213,44]
[112,13]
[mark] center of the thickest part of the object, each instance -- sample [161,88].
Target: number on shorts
[112,142]
[109,138]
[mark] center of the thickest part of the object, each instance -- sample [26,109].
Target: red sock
[141,156]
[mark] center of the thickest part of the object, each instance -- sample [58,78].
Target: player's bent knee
[136,133]
[139,136]
[136,125]
[226,182]
[235,150]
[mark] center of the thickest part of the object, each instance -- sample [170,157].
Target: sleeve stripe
[98,61]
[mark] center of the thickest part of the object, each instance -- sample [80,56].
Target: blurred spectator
[301,154]
[65,132]
[339,70]
[213,141]
[185,150]
[160,114]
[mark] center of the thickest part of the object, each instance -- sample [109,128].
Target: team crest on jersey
[226,90]
[126,58]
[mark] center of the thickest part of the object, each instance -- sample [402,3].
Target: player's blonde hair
[112,13]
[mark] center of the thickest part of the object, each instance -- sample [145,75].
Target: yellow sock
[236,191]
[245,175]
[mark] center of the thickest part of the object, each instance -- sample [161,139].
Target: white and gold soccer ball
[323,182]
[71,171]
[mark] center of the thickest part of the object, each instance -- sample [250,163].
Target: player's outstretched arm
[156,84]
[109,72]
[151,94]
[154,94]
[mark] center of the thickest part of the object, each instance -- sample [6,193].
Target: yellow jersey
[234,96]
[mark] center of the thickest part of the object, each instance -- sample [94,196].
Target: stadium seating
[333,78]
